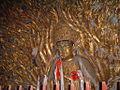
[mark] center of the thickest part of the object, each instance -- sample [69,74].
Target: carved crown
[64,32]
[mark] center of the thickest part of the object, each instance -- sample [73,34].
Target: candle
[56,81]
[104,86]
[72,87]
[57,86]
[81,84]
[81,79]
[38,83]
[20,87]
[0,88]
[87,86]
[10,87]
[62,78]
[44,87]
[31,87]
[44,83]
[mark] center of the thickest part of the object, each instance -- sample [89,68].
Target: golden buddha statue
[32,31]
[71,61]
[69,65]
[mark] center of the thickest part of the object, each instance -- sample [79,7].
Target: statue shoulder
[78,57]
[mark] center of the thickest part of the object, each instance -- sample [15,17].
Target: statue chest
[69,67]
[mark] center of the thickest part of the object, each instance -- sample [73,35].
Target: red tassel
[58,64]
[58,73]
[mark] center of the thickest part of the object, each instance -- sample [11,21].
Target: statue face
[65,48]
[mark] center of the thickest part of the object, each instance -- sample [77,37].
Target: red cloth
[74,75]
[58,64]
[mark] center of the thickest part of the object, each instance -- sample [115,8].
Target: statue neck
[67,58]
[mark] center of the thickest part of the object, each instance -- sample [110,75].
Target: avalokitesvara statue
[72,61]
[68,42]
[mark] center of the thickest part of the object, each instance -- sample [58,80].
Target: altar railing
[87,86]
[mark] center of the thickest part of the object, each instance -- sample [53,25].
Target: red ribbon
[58,64]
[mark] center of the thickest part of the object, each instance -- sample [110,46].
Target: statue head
[65,48]
[64,37]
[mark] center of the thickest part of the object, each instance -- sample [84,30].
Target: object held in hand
[74,75]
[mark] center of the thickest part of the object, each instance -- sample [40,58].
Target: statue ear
[57,53]
[75,51]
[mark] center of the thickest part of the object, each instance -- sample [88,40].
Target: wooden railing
[87,86]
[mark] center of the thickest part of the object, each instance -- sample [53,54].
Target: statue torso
[68,68]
